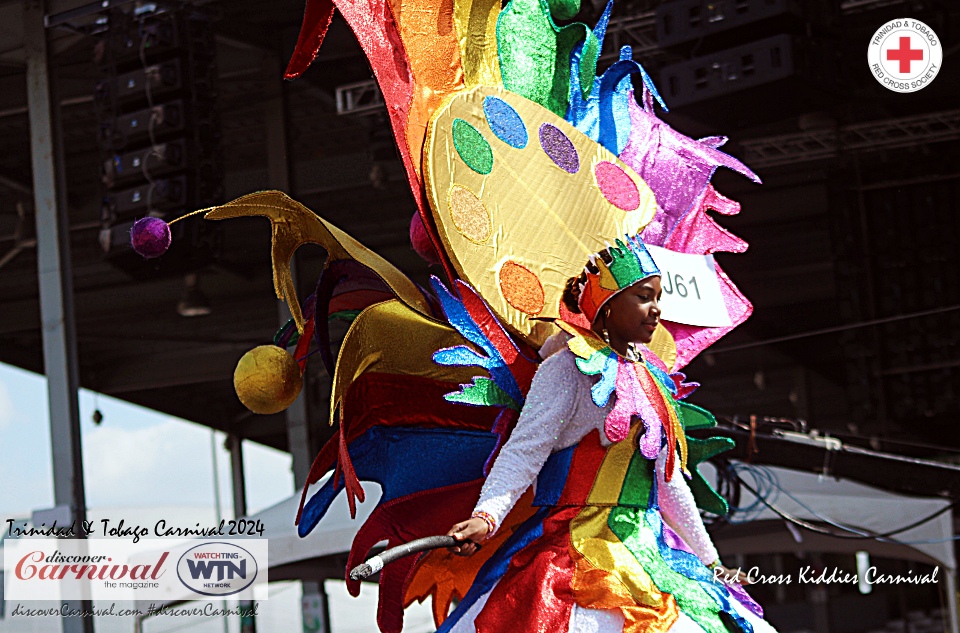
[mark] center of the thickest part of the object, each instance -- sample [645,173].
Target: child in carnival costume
[617,543]
[523,163]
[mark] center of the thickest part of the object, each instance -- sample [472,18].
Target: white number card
[691,289]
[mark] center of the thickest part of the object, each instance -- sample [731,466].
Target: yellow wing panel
[521,199]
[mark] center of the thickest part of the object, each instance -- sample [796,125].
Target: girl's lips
[650,326]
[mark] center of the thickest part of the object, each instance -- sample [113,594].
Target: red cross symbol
[905,54]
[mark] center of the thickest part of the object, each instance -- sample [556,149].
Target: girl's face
[634,312]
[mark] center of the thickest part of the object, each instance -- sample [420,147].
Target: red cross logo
[905,54]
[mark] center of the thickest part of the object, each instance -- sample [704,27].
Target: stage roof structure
[849,333]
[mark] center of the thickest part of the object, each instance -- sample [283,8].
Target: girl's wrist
[487,518]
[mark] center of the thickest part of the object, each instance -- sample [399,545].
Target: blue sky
[139,458]
[136,458]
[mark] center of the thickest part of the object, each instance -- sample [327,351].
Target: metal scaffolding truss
[859,6]
[639,31]
[911,131]
[360,97]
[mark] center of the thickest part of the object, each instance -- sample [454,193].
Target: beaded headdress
[630,263]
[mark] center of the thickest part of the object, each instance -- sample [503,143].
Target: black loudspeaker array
[733,45]
[897,255]
[158,129]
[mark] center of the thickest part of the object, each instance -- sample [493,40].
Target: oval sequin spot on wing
[616,186]
[559,148]
[521,288]
[469,214]
[472,147]
[505,122]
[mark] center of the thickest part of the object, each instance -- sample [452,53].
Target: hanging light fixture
[193,303]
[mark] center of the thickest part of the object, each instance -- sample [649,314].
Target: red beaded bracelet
[488,519]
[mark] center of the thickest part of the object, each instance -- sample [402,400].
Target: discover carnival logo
[217,569]
[50,568]
[111,569]
[905,55]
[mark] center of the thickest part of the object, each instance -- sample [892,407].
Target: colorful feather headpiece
[522,159]
[630,263]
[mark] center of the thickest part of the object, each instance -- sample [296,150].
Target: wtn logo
[224,569]
[217,569]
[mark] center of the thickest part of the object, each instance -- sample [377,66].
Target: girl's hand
[472,530]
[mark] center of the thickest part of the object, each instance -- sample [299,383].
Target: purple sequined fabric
[559,148]
[675,166]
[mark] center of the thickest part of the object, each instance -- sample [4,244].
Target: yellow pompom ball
[267,379]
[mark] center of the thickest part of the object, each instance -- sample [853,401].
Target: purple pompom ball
[150,237]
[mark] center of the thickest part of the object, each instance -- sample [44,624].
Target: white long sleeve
[547,423]
[679,510]
[554,344]
[558,413]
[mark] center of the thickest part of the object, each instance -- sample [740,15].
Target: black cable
[820,530]
[727,487]
[834,329]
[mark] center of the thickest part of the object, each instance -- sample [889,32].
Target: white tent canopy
[823,499]
[333,535]
[807,496]
[802,495]
[814,497]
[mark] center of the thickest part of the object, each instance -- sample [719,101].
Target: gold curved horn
[293,224]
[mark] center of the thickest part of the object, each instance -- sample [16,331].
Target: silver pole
[248,624]
[314,608]
[951,588]
[216,499]
[216,474]
[54,274]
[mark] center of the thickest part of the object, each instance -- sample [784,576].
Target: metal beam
[239,484]
[360,97]
[314,608]
[859,6]
[12,182]
[56,287]
[278,167]
[789,149]
[274,119]
[71,101]
[63,16]
[169,367]
[902,475]
[638,30]
[248,623]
